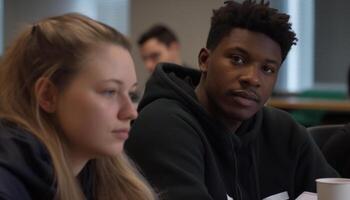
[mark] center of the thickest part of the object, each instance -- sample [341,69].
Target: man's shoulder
[278,118]
[163,109]
[164,126]
[166,119]
[282,126]
[275,116]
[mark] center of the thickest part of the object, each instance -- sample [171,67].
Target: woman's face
[95,109]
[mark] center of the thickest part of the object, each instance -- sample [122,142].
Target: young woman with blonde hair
[66,90]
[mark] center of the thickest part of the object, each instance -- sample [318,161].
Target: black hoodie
[186,154]
[337,149]
[25,167]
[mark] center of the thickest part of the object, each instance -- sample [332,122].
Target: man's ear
[203,58]
[46,94]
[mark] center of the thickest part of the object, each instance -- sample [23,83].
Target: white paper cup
[333,189]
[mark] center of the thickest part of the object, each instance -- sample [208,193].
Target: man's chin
[242,115]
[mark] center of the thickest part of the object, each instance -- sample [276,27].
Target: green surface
[314,117]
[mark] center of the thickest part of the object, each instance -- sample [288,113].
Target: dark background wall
[332,41]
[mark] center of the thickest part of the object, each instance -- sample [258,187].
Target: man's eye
[268,69]
[238,60]
[154,56]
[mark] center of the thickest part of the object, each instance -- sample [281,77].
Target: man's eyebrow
[273,61]
[239,49]
[245,52]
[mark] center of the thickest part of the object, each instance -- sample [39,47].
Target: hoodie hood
[172,81]
[27,159]
[181,147]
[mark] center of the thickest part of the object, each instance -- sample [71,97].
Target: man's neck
[213,110]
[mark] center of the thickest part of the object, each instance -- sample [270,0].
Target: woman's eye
[236,59]
[134,96]
[109,93]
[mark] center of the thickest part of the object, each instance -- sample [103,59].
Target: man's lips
[246,94]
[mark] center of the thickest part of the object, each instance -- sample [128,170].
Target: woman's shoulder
[24,160]
[12,131]
[11,187]
[14,139]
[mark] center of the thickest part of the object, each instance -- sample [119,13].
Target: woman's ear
[203,57]
[46,94]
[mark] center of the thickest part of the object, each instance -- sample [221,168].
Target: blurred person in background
[159,44]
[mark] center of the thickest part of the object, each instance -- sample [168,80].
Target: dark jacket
[186,154]
[25,167]
[337,150]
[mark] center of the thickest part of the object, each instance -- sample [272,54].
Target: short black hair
[161,33]
[257,17]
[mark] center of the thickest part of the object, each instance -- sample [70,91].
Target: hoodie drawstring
[255,168]
[236,186]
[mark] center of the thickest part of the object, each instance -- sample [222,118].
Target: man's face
[153,52]
[240,73]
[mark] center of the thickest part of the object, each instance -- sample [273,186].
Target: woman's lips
[122,134]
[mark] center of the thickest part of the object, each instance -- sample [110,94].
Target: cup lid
[333,180]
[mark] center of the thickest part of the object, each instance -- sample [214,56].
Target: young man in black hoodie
[208,136]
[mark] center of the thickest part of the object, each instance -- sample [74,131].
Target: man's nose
[251,76]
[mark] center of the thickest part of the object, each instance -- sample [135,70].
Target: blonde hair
[52,48]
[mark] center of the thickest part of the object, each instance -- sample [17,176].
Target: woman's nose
[128,110]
